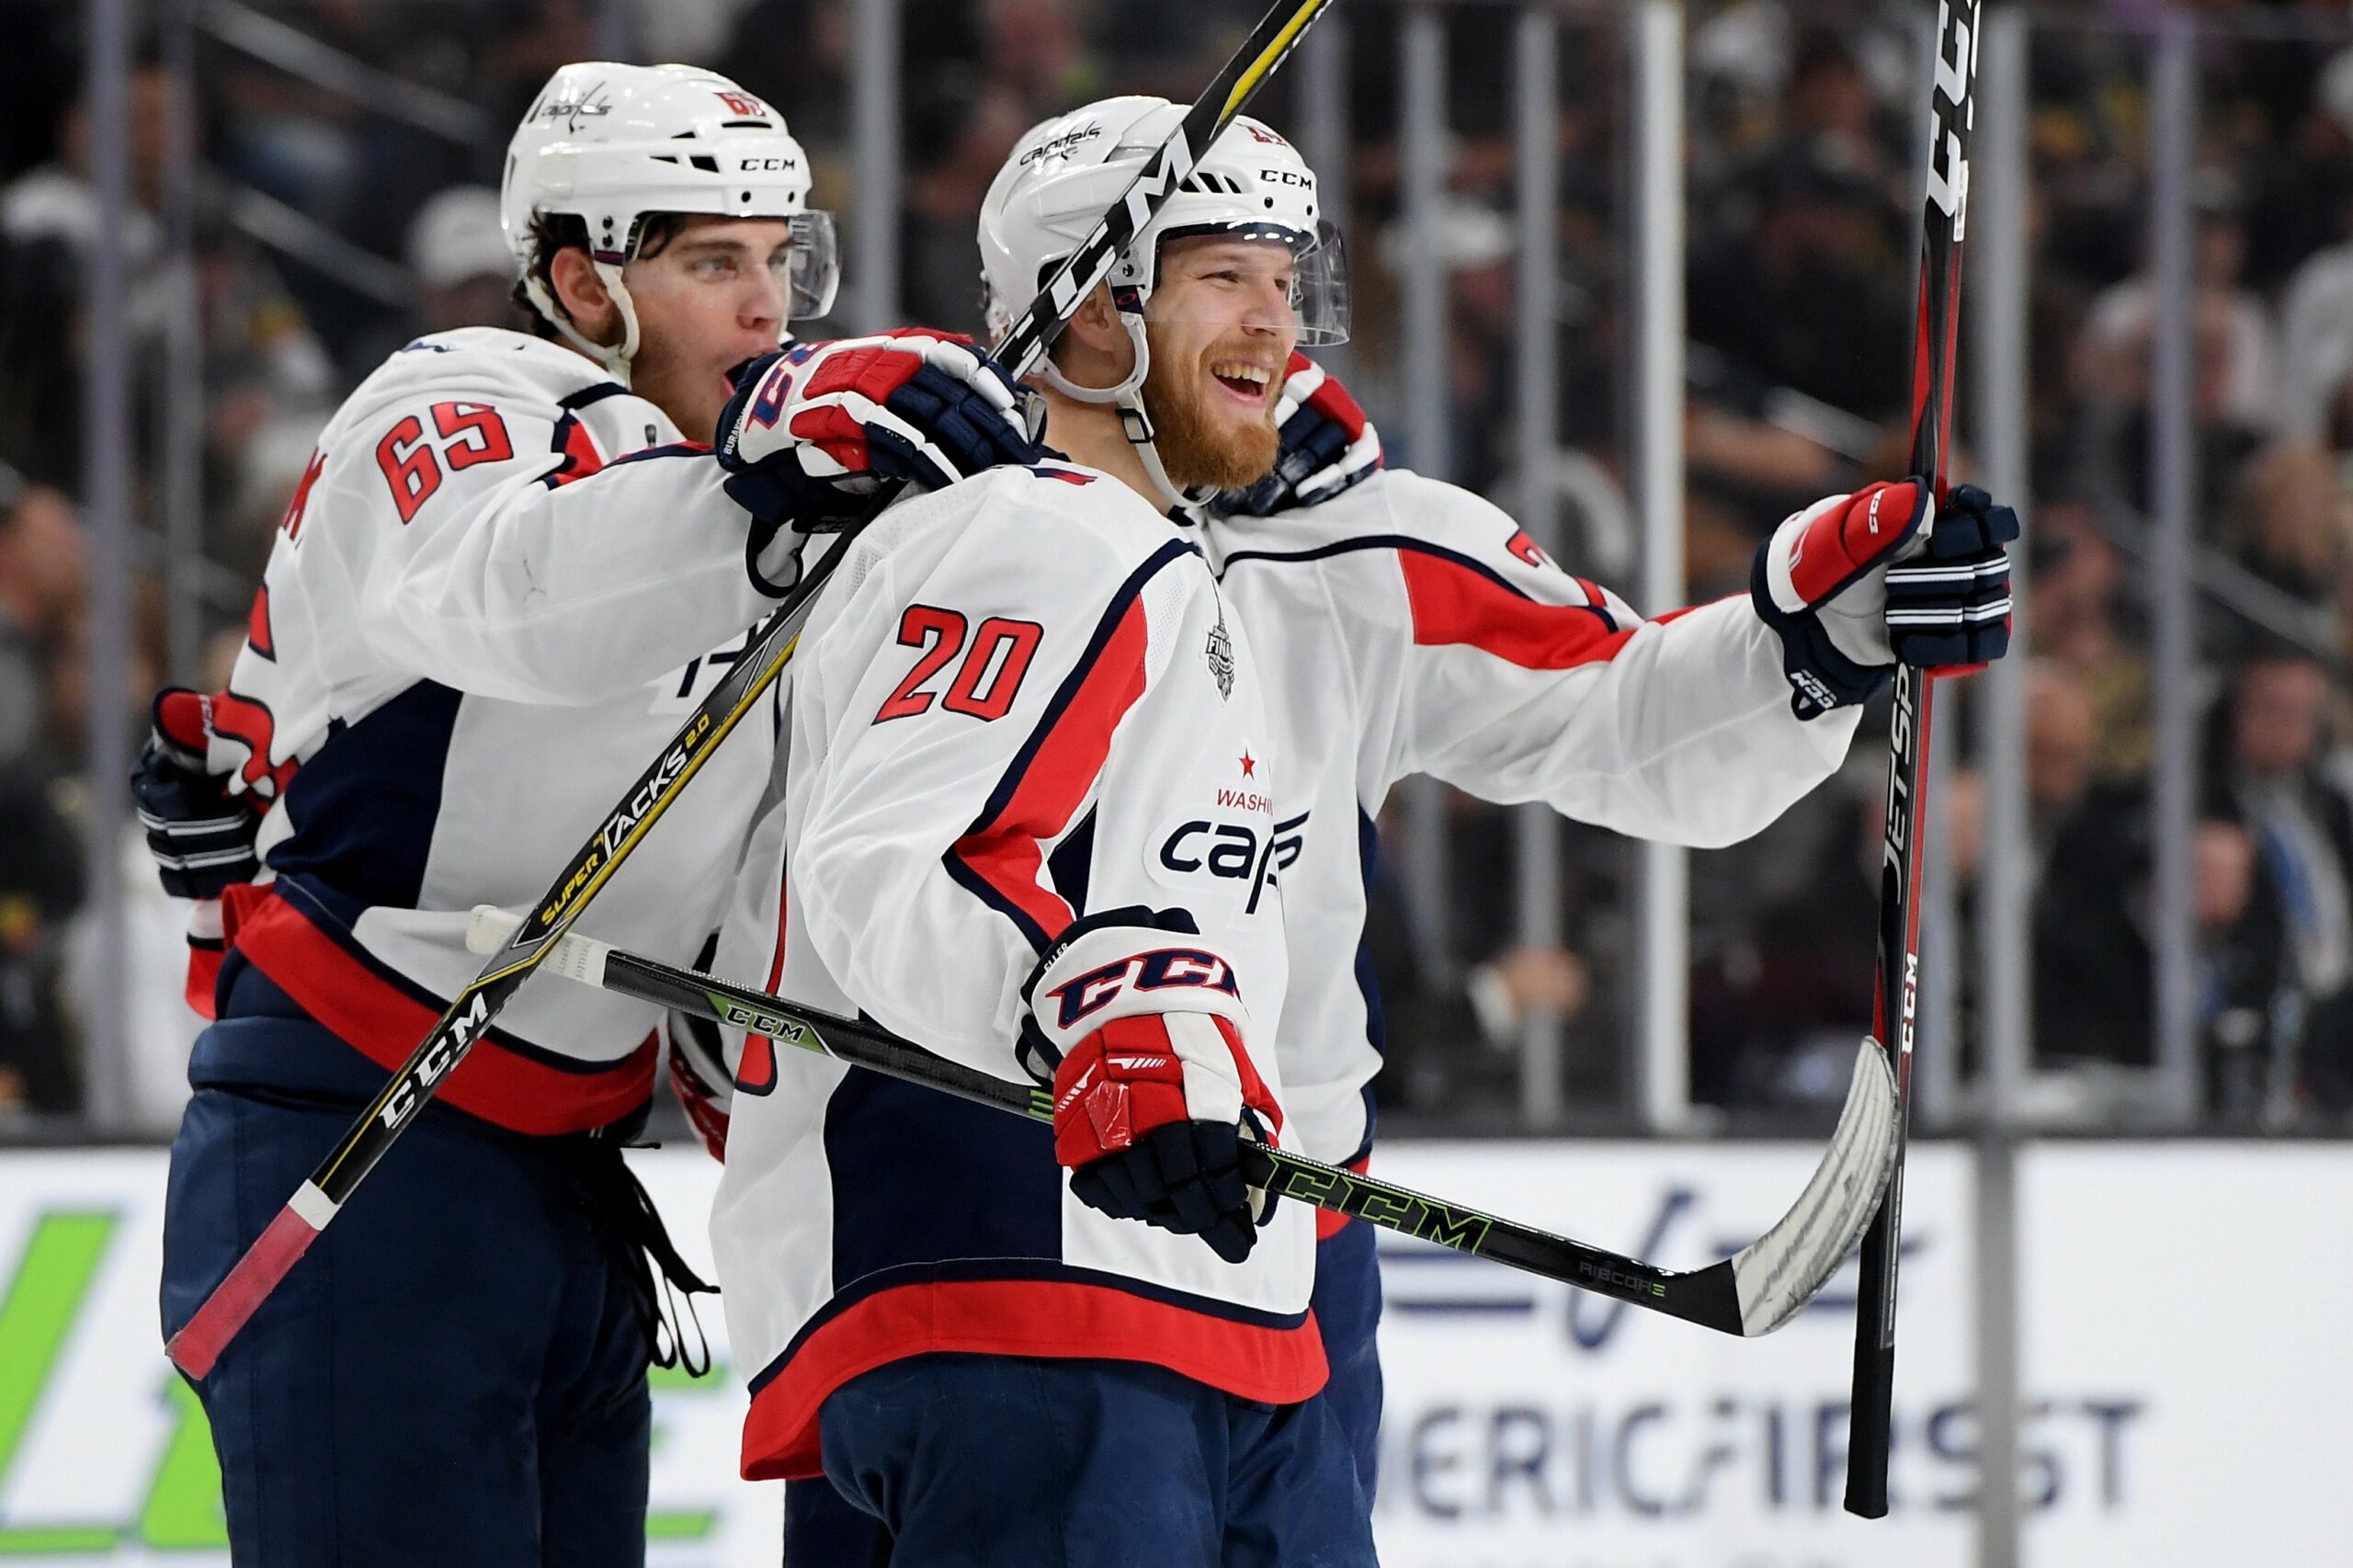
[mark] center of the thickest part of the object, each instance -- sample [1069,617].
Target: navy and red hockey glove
[1328,445]
[200,835]
[699,1077]
[1139,1029]
[1855,584]
[816,429]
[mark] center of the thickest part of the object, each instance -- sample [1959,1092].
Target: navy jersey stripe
[595,394]
[919,1177]
[363,807]
[1376,1028]
[669,450]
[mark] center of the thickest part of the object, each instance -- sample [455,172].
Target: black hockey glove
[1855,583]
[200,835]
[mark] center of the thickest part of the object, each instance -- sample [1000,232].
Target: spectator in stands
[2239,367]
[2268,779]
[2293,522]
[41,873]
[1808,295]
[2235,376]
[465,271]
[49,223]
[40,594]
[1776,1009]
[1451,1047]
[958,140]
[2078,577]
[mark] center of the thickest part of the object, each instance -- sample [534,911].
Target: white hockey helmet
[611,144]
[1064,173]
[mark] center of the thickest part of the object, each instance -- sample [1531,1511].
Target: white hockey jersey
[1407,626]
[1013,694]
[502,586]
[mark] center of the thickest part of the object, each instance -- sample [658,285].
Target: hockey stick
[1754,1292]
[197,1345]
[1895,1004]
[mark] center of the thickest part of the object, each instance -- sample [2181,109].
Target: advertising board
[2186,1375]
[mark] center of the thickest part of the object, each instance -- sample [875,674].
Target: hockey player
[1402,626]
[1013,698]
[504,580]
[1407,626]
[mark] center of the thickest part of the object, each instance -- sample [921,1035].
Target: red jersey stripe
[1454,604]
[384,1023]
[1060,1319]
[1007,852]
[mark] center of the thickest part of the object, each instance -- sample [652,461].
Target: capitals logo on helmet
[1065,172]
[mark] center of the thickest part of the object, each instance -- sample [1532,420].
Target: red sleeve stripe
[1456,603]
[1001,859]
[756,1073]
[259,635]
[581,457]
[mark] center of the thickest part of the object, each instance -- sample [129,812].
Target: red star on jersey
[1250,766]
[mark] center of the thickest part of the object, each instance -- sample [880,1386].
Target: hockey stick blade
[225,1311]
[1786,1266]
[1752,1293]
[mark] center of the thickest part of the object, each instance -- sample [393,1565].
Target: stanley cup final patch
[1219,651]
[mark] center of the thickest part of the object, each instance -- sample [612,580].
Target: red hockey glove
[1154,1088]
[698,1076]
[1328,445]
[1854,583]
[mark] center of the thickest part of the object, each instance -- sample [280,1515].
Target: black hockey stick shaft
[199,1342]
[1895,1002]
[1705,1296]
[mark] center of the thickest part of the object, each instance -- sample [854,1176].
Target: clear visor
[814,266]
[1255,274]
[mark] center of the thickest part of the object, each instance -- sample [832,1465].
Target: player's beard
[1195,446]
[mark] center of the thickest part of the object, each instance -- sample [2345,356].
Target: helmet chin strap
[615,361]
[1184,505]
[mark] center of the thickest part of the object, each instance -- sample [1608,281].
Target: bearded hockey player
[1402,625]
[505,577]
[1003,1343]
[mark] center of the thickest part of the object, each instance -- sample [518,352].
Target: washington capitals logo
[573,105]
[1220,653]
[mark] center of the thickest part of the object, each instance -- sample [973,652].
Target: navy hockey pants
[454,1375]
[822,1529]
[1001,1462]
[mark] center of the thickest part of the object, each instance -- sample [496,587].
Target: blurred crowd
[316,230]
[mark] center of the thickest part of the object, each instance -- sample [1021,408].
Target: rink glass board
[1529,1425]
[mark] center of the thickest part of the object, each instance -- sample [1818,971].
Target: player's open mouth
[1246,381]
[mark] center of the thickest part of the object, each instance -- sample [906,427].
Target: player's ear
[573,280]
[1095,339]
